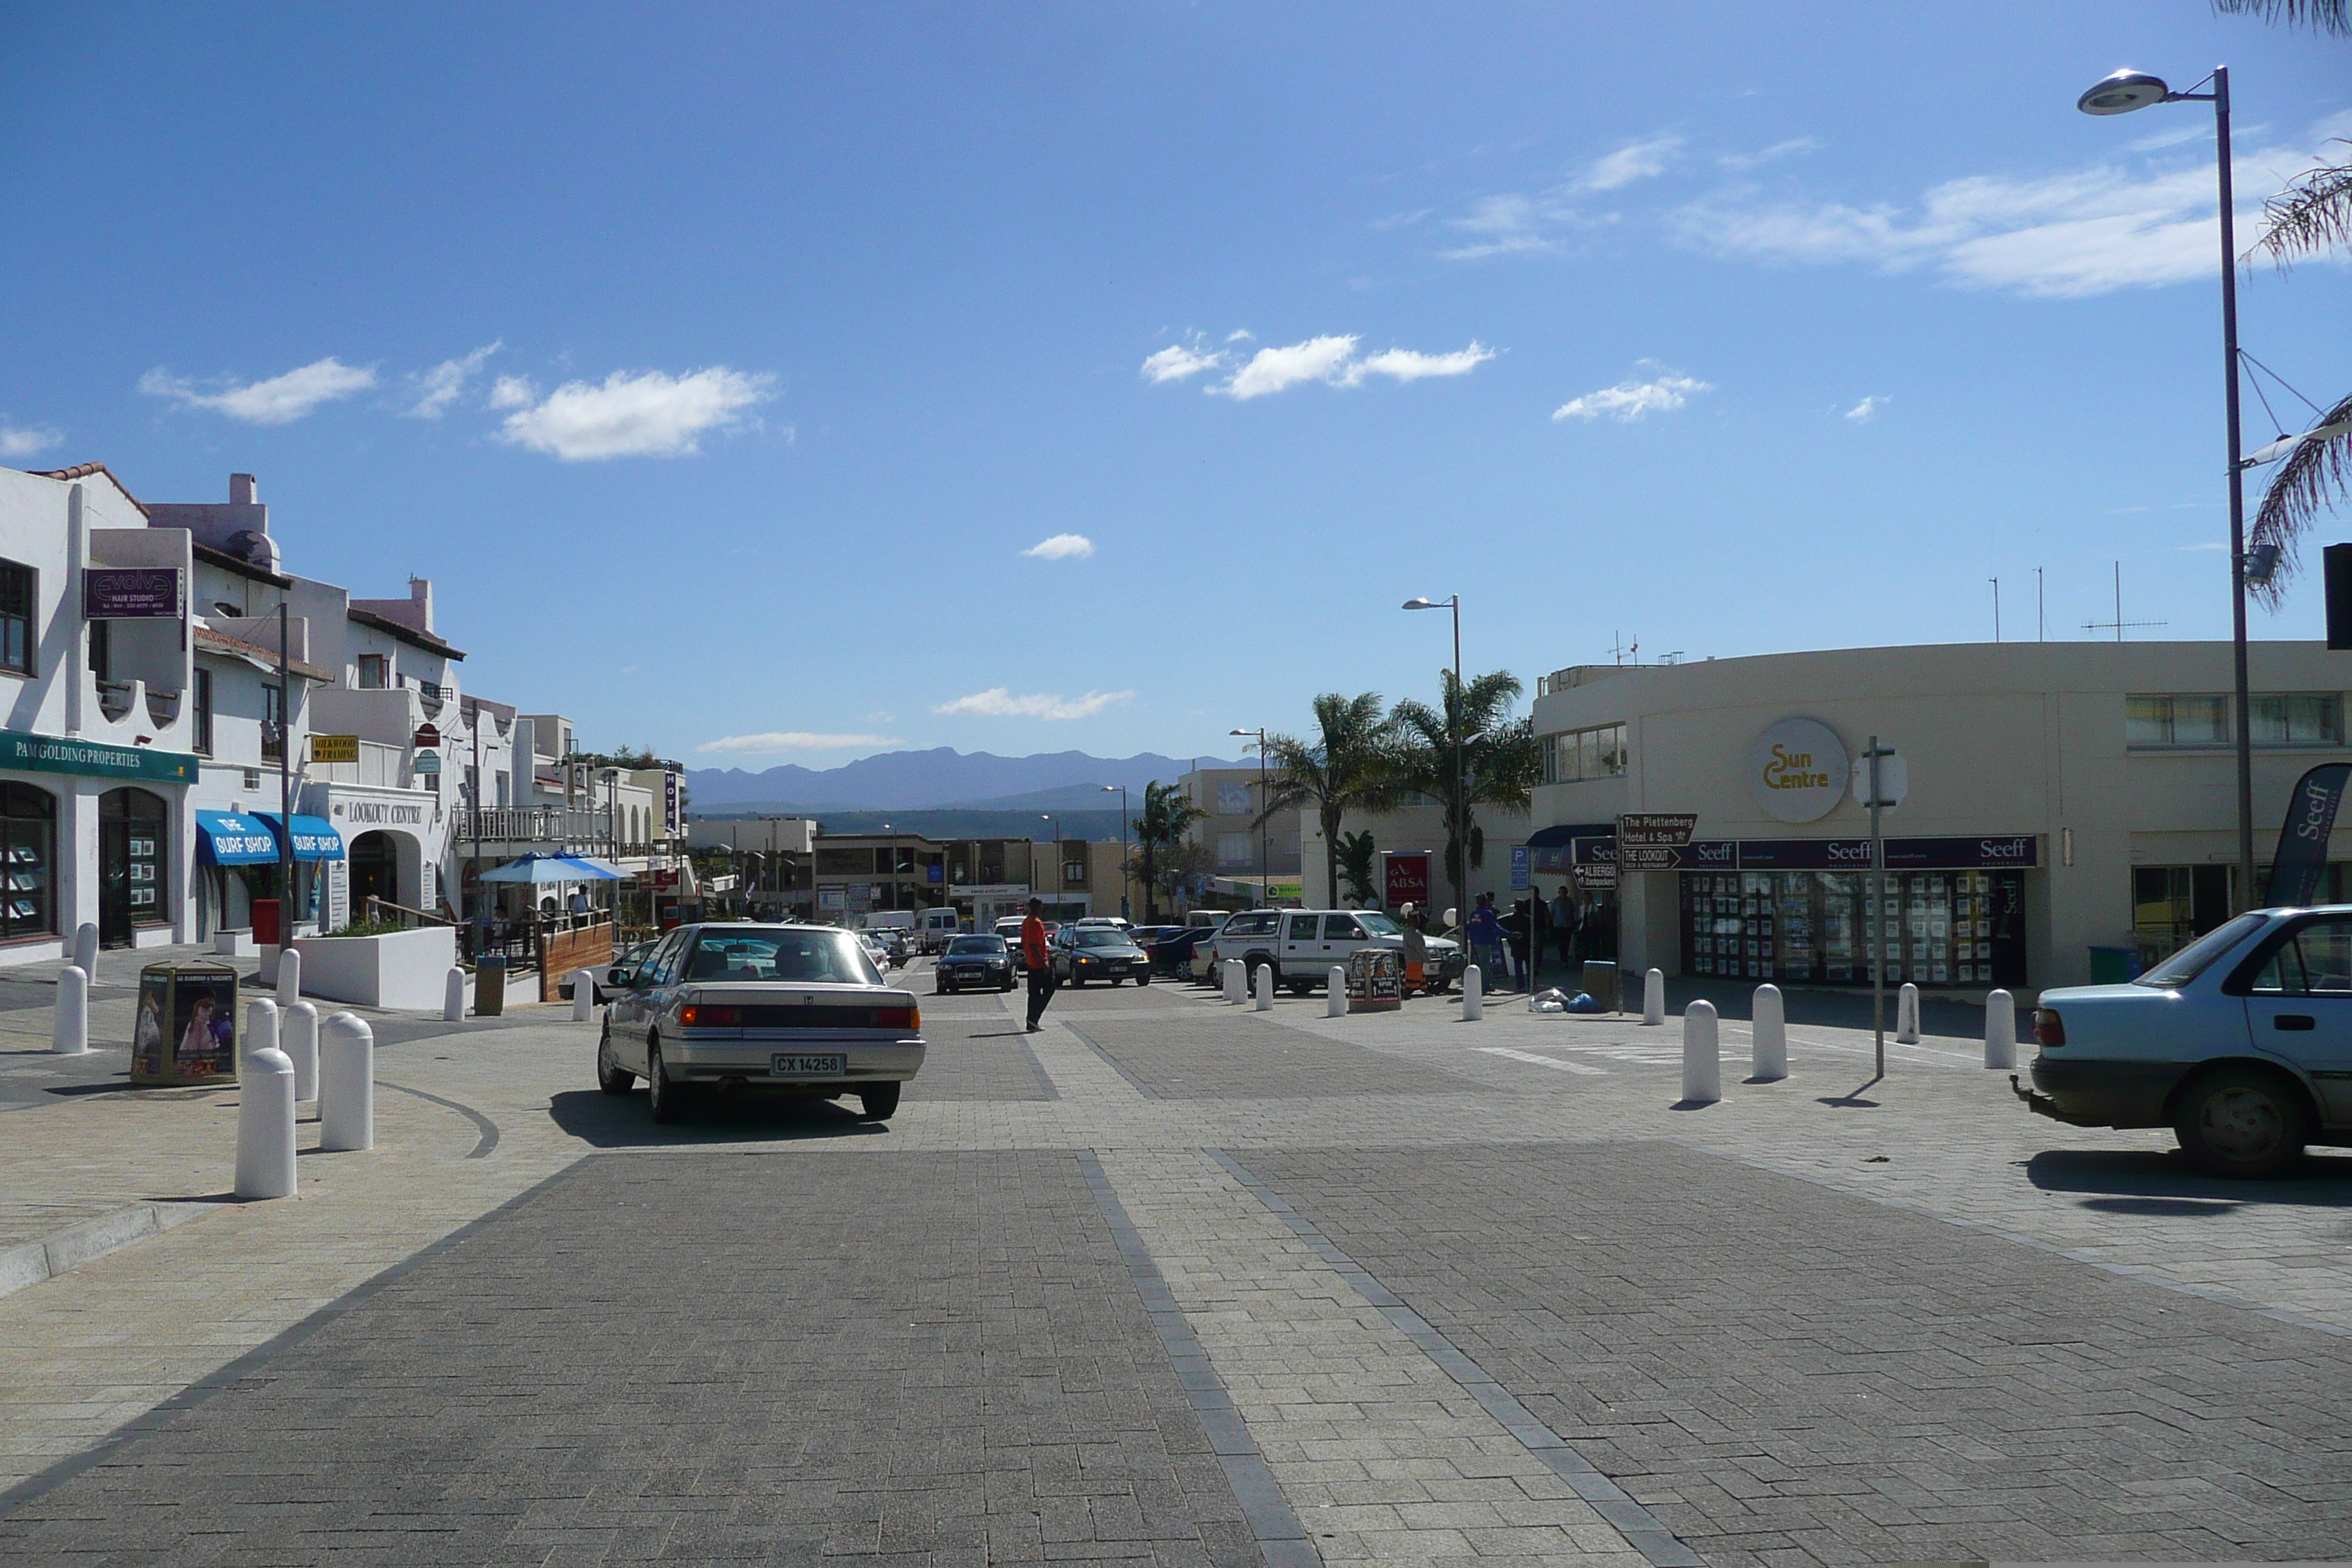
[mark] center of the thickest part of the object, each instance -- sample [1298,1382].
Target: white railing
[535,824]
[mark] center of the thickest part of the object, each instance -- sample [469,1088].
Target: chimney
[420,593]
[240,489]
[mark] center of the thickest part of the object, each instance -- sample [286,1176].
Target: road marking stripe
[1542,1061]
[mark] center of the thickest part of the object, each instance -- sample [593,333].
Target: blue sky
[726,368]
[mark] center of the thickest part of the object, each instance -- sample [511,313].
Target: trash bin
[2113,965]
[1600,982]
[265,930]
[490,985]
[186,1027]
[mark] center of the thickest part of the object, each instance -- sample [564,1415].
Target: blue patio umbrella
[539,867]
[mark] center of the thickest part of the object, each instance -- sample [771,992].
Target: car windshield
[2193,959]
[988,946]
[1378,923]
[823,957]
[1102,936]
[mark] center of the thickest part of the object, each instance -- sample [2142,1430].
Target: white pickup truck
[1301,945]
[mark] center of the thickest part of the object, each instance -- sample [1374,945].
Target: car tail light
[2048,1028]
[898,1018]
[702,1016]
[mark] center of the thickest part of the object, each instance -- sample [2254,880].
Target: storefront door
[375,871]
[131,839]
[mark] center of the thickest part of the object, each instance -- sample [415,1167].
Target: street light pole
[1460,870]
[2121,93]
[1265,860]
[1124,912]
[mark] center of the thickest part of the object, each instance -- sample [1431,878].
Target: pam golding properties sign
[54,754]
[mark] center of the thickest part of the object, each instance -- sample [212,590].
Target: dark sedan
[974,963]
[1083,954]
[1172,954]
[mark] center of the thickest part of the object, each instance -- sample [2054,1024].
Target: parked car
[973,962]
[802,1009]
[1085,953]
[603,993]
[897,943]
[1301,945]
[2241,1043]
[1171,949]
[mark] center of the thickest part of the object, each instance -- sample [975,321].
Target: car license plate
[788,1065]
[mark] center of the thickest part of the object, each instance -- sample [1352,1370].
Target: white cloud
[437,388]
[1630,400]
[1062,547]
[1274,370]
[2062,235]
[794,741]
[1861,412]
[25,440]
[2209,544]
[513,392]
[1634,160]
[646,414]
[1508,224]
[998,702]
[1772,155]
[1178,362]
[1410,364]
[1241,335]
[280,400]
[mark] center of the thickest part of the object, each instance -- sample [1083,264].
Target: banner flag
[2302,837]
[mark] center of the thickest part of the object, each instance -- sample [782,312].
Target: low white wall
[404,971]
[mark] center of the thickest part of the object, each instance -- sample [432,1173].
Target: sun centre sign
[1797,770]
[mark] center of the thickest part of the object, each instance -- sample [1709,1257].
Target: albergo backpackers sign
[53,754]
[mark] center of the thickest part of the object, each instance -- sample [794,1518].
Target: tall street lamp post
[1123,911]
[2121,93]
[1459,872]
[1265,860]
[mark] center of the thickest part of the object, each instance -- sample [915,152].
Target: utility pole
[285,781]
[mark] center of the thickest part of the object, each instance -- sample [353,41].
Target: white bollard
[2001,1029]
[85,953]
[298,1036]
[1237,982]
[1702,1055]
[583,995]
[1266,988]
[346,1085]
[265,1124]
[260,1028]
[1907,1015]
[69,1035]
[1770,1028]
[1335,1005]
[290,977]
[1473,994]
[453,997]
[1654,996]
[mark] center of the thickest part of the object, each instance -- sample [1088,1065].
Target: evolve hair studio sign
[1797,770]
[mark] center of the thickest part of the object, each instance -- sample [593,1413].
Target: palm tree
[1357,855]
[1350,767]
[1501,760]
[1167,816]
[2311,216]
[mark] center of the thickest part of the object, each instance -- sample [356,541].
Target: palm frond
[2320,15]
[2311,216]
[2314,478]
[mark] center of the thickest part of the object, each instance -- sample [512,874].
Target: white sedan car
[798,1008]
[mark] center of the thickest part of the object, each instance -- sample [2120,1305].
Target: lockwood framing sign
[53,754]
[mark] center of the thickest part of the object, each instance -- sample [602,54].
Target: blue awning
[234,840]
[315,837]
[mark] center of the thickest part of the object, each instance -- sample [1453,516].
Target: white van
[933,928]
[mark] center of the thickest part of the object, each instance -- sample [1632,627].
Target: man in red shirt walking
[1039,961]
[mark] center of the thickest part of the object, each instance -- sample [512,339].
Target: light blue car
[2241,1043]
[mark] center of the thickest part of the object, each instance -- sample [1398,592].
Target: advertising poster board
[184,1030]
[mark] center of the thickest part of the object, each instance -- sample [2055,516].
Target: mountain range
[940,778]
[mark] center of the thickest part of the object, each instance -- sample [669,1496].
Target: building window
[375,671]
[2298,719]
[1575,754]
[201,723]
[1237,849]
[19,593]
[2160,719]
[273,723]
[27,852]
[2172,906]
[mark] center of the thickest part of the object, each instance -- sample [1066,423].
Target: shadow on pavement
[2164,1183]
[610,1121]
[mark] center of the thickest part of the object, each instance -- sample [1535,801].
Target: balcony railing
[536,824]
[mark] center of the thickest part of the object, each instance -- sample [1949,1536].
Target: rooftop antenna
[2041,631]
[1622,650]
[2119,625]
[1996,607]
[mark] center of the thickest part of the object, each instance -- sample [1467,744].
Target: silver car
[797,1008]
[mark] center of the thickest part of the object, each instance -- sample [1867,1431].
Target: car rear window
[822,957]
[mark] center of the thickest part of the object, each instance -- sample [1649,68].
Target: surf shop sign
[1797,770]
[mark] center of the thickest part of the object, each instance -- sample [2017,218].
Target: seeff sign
[1797,771]
[2302,837]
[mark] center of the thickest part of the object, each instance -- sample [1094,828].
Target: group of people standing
[1509,946]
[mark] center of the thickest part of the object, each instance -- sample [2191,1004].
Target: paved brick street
[1180,1281]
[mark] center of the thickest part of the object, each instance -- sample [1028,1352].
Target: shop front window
[2172,906]
[28,837]
[1939,928]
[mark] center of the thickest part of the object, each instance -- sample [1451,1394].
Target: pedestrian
[1486,934]
[1565,918]
[1416,953]
[1039,961]
[1538,933]
[1515,941]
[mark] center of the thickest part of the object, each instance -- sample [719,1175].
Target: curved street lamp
[2121,93]
[1460,871]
